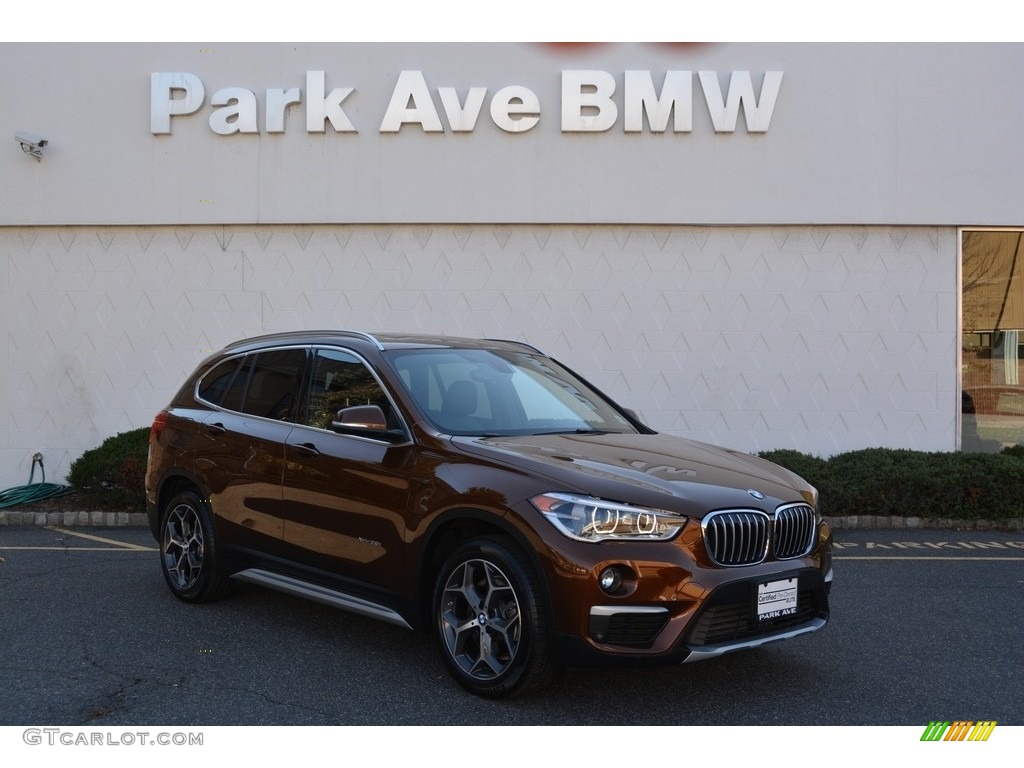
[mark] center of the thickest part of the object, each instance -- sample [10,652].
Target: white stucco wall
[791,288]
[874,134]
[816,338]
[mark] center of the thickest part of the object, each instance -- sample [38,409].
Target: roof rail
[518,344]
[369,337]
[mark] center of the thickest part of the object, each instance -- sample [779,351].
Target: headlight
[588,519]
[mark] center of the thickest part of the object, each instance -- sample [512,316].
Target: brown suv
[484,491]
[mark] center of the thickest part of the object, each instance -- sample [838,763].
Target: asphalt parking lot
[925,625]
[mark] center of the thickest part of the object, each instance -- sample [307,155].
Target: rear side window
[266,384]
[274,384]
[216,383]
[233,397]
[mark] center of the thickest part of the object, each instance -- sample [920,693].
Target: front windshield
[489,393]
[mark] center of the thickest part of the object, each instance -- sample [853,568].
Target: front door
[345,496]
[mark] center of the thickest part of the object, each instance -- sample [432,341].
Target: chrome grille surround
[735,537]
[738,537]
[796,528]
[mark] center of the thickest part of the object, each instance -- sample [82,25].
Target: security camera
[31,144]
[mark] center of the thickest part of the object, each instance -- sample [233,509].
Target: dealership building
[808,246]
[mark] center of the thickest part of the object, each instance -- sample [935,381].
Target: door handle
[306,449]
[216,428]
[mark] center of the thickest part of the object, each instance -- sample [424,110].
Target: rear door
[241,456]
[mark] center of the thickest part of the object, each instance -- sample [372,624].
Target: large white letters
[163,104]
[514,109]
[411,103]
[321,108]
[587,100]
[676,98]
[238,103]
[590,104]
[758,112]
[462,117]
[278,101]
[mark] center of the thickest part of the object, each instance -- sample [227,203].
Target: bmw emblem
[756,494]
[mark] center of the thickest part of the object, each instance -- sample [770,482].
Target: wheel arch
[456,526]
[170,485]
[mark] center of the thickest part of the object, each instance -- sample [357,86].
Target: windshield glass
[489,393]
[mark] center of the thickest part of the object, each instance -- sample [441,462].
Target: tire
[188,551]
[490,620]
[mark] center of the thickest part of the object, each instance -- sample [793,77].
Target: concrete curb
[854,522]
[95,518]
[100,519]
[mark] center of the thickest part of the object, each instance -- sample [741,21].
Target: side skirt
[321,594]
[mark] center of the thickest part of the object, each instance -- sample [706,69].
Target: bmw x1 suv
[483,492]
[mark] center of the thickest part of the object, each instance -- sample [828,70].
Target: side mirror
[365,420]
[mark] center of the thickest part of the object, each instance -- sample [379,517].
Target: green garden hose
[33,492]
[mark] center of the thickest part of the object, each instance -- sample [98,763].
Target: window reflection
[992,398]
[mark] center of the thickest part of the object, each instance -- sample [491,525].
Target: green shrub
[903,483]
[1013,450]
[114,474]
[811,468]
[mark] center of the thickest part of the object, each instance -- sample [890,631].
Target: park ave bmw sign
[589,103]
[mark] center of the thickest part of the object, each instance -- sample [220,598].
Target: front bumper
[724,622]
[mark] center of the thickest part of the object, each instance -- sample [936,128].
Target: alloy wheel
[183,547]
[480,619]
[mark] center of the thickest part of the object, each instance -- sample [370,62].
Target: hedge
[894,482]
[114,474]
[873,481]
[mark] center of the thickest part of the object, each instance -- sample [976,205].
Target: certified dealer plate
[776,598]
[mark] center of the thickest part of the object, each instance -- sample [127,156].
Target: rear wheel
[490,620]
[188,551]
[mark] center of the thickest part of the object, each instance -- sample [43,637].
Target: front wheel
[490,620]
[188,551]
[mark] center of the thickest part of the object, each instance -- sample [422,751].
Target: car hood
[660,470]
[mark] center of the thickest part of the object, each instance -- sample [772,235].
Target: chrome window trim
[398,413]
[309,347]
[199,381]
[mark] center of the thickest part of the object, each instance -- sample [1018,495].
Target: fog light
[610,580]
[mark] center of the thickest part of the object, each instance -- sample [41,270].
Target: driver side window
[340,380]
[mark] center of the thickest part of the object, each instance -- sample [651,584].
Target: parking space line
[101,539]
[118,546]
[924,557]
[77,549]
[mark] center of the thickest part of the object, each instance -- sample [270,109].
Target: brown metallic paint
[367,510]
